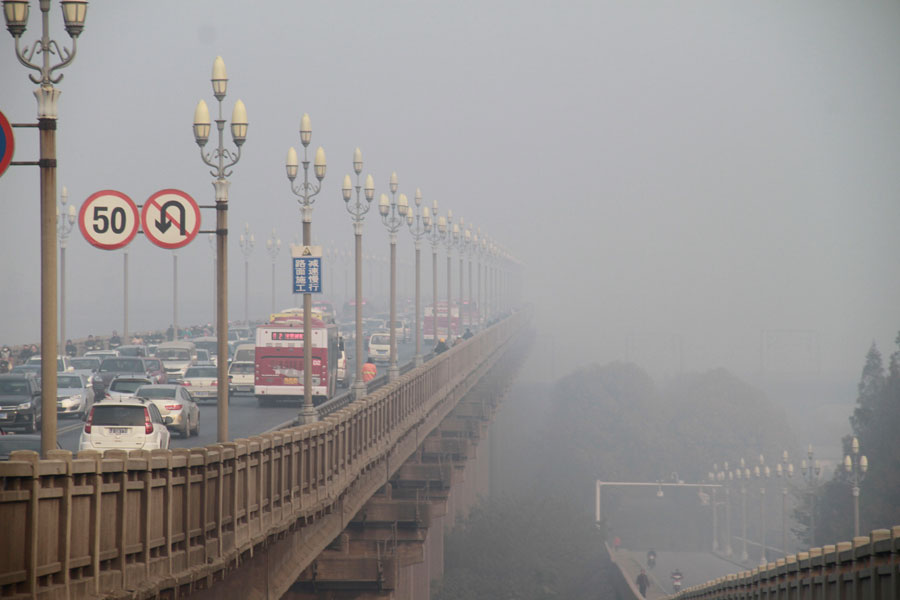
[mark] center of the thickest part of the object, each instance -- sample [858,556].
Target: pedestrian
[369,371]
[643,582]
[441,346]
[616,543]
[71,350]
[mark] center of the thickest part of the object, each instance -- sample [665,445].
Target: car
[22,441]
[101,354]
[401,330]
[176,357]
[211,345]
[62,362]
[204,358]
[85,364]
[125,386]
[74,395]
[174,401]
[241,375]
[380,346]
[118,366]
[132,424]
[155,370]
[138,350]
[245,353]
[34,370]
[343,377]
[20,402]
[202,381]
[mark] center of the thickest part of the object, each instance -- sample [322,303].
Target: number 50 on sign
[108,219]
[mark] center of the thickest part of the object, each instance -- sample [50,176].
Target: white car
[380,346]
[175,402]
[74,395]
[202,381]
[124,387]
[241,376]
[127,425]
[101,354]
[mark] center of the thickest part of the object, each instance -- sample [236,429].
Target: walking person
[643,582]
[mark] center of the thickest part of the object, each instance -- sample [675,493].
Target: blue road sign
[307,275]
[7,143]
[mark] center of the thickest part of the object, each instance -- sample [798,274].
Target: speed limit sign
[108,220]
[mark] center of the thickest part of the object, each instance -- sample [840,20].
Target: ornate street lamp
[762,473]
[306,193]
[393,215]
[856,467]
[221,160]
[811,470]
[273,246]
[433,234]
[16,14]
[416,221]
[247,241]
[784,470]
[358,210]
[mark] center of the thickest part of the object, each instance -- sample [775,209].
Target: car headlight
[24,406]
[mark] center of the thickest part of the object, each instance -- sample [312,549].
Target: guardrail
[868,568]
[133,523]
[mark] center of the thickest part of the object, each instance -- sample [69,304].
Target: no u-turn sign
[171,218]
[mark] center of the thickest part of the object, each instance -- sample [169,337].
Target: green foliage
[875,421]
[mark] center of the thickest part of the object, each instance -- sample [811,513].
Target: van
[245,353]
[380,346]
[176,357]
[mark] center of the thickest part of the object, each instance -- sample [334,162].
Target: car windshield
[155,391]
[210,346]
[241,368]
[173,354]
[201,372]
[8,443]
[16,387]
[68,381]
[130,351]
[127,386]
[84,363]
[117,415]
[380,340]
[152,364]
[122,365]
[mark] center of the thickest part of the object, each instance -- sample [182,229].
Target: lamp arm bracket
[66,56]
[25,57]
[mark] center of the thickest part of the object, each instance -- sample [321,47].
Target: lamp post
[273,246]
[16,14]
[711,477]
[65,220]
[212,246]
[810,470]
[722,476]
[221,160]
[175,295]
[471,239]
[762,473]
[460,239]
[393,215]
[358,210]
[247,241]
[856,466]
[742,474]
[433,235]
[306,193]
[446,227]
[416,221]
[784,470]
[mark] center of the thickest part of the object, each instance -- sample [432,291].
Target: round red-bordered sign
[108,220]
[7,144]
[171,218]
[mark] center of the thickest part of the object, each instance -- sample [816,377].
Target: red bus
[428,325]
[278,372]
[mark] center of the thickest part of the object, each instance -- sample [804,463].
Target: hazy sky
[672,174]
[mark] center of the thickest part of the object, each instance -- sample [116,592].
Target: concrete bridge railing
[131,524]
[868,568]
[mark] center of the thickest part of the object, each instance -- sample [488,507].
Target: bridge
[354,504]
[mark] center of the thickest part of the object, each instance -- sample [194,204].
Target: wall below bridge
[249,518]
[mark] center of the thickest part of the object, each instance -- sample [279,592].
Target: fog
[687,185]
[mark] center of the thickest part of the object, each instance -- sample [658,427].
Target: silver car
[124,387]
[175,402]
[74,395]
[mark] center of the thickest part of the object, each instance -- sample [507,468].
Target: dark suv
[117,366]
[20,402]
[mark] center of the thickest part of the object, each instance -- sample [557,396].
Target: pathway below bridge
[696,568]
